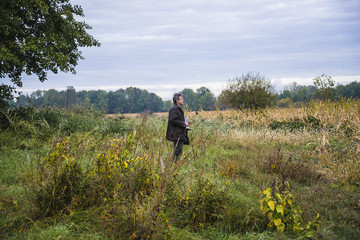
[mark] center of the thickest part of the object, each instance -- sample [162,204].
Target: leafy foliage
[323,88]
[248,91]
[38,36]
[114,161]
[324,84]
[59,181]
[6,94]
[129,100]
[41,36]
[283,215]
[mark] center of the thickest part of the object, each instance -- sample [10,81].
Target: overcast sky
[166,46]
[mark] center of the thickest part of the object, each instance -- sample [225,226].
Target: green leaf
[280,209]
[267,191]
[277,222]
[271,205]
[297,228]
[281,227]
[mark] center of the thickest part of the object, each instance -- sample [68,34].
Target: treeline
[297,93]
[254,91]
[129,100]
[135,100]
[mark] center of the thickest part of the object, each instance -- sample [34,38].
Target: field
[277,173]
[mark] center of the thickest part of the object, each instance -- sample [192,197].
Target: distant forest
[297,93]
[135,100]
[129,100]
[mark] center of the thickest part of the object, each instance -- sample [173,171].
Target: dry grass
[338,120]
[133,115]
[335,145]
[340,114]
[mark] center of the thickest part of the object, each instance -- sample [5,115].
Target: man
[176,129]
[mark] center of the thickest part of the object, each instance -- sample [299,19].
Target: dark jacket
[176,126]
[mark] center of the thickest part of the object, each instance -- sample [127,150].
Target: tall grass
[113,178]
[336,114]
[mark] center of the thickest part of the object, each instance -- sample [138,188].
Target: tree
[133,100]
[155,102]
[86,103]
[37,98]
[190,99]
[167,105]
[203,98]
[351,90]
[285,94]
[71,97]
[98,99]
[6,94]
[202,91]
[22,101]
[285,102]
[142,101]
[54,98]
[324,84]
[116,101]
[37,36]
[248,91]
[301,94]
[206,98]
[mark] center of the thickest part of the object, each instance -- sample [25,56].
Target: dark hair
[176,97]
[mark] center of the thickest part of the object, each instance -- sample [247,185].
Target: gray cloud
[157,43]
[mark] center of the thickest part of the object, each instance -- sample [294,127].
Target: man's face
[180,101]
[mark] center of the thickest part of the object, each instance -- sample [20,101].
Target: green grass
[223,172]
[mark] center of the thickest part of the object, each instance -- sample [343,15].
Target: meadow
[275,173]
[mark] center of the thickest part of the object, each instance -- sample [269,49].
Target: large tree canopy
[37,36]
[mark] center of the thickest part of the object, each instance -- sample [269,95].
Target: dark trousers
[178,148]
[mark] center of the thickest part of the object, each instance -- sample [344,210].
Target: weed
[274,162]
[201,205]
[82,174]
[278,206]
[58,181]
[309,122]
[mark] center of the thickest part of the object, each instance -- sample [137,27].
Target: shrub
[61,186]
[300,173]
[115,158]
[118,171]
[248,91]
[283,215]
[44,123]
[274,162]
[229,169]
[200,206]
[297,171]
[58,181]
[285,102]
[309,122]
